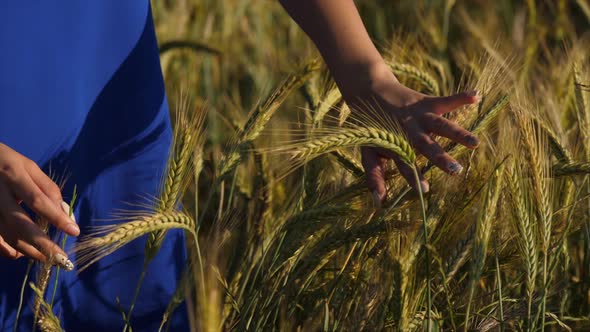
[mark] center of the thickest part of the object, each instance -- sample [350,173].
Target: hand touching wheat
[21,180]
[337,30]
[419,116]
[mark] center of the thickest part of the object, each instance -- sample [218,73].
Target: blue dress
[82,94]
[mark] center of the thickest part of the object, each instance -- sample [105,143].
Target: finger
[443,105]
[22,234]
[26,189]
[374,166]
[7,251]
[444,127]
[408,173]
[44,182]
[435,153]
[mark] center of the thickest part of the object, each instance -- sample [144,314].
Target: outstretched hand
[419,116]
[21,180]
[337,30]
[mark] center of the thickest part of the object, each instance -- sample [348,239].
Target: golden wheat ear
[186,151]
[45,319]
[107,239]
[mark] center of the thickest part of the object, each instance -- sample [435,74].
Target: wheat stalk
[183,286]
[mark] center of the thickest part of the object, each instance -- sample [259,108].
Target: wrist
[362,79]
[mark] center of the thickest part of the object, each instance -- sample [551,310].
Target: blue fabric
[82,94]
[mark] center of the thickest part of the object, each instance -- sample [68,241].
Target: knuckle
[36,201]
[441,159]
[7,171]
[439,124]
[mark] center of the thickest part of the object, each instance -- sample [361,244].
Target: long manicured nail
[66,208]
[376,199]
[63,262]
[455,168]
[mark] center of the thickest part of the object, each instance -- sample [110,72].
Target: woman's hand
[337,30]
[21,180]
[419,116]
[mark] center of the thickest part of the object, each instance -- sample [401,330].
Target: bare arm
[362,76]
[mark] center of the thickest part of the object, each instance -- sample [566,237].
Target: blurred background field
[504,246]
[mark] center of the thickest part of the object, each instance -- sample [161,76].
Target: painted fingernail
[376,199]
[66,208]
[63,262]
[455,168]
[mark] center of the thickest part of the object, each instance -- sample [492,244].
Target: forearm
[339,34]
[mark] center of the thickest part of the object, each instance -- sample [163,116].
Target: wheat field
[283,233]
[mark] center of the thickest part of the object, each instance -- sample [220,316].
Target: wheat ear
[45,320]
[571,168]
[108,239]
[349,137]
[329,102]
[421,76]
[526,230]
[188,143]
[262,114]
[482,234]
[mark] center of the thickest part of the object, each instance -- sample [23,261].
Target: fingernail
[472,141]
[73,229]
[376,199]
[475,93]
[66,208]
[424,186]
[63,262]
[455,168]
